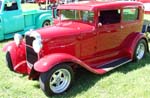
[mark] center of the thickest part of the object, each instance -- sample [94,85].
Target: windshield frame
[79,13]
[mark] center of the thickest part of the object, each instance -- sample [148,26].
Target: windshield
[79,15]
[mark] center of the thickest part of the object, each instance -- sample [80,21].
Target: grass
[129,81]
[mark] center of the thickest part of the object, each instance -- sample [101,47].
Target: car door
[88,45]
[88,37]
[130,20]
[12,18]
[109,34]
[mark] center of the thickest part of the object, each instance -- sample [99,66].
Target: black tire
[137,56]
[46,23]
[22,1]
[9,61]
[54,76]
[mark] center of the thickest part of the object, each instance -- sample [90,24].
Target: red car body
[92,45]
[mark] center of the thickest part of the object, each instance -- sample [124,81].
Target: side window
[69,14]
[11,6]
[87,16]
[109,17]
[130,14]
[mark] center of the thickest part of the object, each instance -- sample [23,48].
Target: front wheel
[9,61]
[140,50]
[57,80]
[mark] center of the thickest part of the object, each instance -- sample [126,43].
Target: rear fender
[42,18]
[131,41]
[17,56]
[48,62]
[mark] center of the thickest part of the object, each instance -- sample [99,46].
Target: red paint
[86,44]
[94,5]
[17,54]
[58,58]
[144,1]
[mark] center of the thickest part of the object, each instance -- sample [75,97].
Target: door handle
[111,31]
[121,27]
[79,37]
[108,31]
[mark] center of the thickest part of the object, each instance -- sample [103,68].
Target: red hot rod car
[98,36]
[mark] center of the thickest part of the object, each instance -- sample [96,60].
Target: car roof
[93,5]
[144,1]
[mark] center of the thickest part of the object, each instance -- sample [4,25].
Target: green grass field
[129,81]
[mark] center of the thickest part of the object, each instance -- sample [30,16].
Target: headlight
[18,38]
[37,45]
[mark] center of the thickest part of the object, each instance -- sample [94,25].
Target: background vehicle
[146,5]
[14,20]
[31,1]
[146,26]
[98,36]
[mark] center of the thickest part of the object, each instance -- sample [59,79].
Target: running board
[114,64]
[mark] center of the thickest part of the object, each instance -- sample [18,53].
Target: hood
[65,28]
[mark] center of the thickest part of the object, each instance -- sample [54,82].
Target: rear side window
[109,16]
[130,14]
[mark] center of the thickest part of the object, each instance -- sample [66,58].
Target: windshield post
[59,15]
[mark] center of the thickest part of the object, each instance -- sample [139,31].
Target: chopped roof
[92,5]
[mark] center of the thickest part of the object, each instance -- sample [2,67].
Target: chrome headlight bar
[37,43]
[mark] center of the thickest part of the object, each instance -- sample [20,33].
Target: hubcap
[140,51]
[60,80]
[46,24]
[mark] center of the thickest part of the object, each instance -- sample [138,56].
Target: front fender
[8,46]
[42,18]
[17,56]
[48,62]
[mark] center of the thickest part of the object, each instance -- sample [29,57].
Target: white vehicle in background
[146,26]
[146,5]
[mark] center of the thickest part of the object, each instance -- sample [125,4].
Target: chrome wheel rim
[60,80]
[46,24]
[140,51]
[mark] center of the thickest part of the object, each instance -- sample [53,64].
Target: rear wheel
[140,50]
[57,80]
[46,23]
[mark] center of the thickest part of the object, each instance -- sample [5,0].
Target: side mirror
[99,24]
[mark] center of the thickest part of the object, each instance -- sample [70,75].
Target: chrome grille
[31,55]
[29,40]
